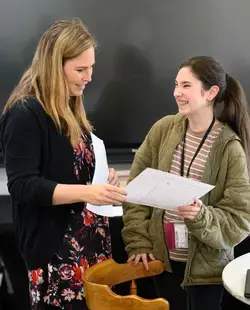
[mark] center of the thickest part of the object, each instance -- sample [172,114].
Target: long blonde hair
[44,79]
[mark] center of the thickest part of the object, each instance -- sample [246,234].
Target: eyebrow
[84,67]
[183,82]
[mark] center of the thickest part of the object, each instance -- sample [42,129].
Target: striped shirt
[192,142]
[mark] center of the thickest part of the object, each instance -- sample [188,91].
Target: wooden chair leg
[133,288]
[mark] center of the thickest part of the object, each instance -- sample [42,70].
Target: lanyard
[197,151]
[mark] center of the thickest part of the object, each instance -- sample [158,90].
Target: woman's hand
[104,194]
[113,177]
[143,257]
[190,211]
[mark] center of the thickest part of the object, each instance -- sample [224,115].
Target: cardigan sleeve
[22,148]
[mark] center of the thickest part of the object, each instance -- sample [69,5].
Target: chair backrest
[99,279]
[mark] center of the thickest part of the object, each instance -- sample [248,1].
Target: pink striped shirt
[196,172]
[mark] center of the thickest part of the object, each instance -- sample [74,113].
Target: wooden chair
[99,279]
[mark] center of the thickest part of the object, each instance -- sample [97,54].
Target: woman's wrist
[69,193]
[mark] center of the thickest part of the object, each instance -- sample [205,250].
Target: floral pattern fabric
[86,242]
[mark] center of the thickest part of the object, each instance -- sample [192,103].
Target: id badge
[181,236]
[176,235]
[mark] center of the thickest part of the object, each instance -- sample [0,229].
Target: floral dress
[86,242]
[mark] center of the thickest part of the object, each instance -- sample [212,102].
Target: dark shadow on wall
[124,111]
[30,47]
[12,67]
[9,75]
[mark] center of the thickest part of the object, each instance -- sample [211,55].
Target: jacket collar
[215,156]
[227,134]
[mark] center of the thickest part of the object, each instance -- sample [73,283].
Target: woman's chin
[184,111]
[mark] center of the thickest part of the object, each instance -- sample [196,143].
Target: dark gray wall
[141,44]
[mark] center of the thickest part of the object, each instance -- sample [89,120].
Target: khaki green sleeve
[228,222]
[136,217]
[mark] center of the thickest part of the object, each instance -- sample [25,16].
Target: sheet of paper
[101,174]
[108,211]
[164,190]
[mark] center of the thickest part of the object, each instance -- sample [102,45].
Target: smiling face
[189,93]
[78,71]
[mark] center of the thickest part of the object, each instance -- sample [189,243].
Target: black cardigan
[36,158]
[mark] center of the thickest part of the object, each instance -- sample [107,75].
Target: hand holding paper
[113,178]
[104,194]
[100,178]
[190,211]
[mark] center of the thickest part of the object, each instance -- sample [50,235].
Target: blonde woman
[50,163]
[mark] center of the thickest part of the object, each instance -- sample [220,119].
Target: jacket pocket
[209,262]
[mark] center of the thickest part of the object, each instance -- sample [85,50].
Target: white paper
[108,211]
[164,190]
[101,174]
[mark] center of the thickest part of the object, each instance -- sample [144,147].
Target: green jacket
[222,223]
